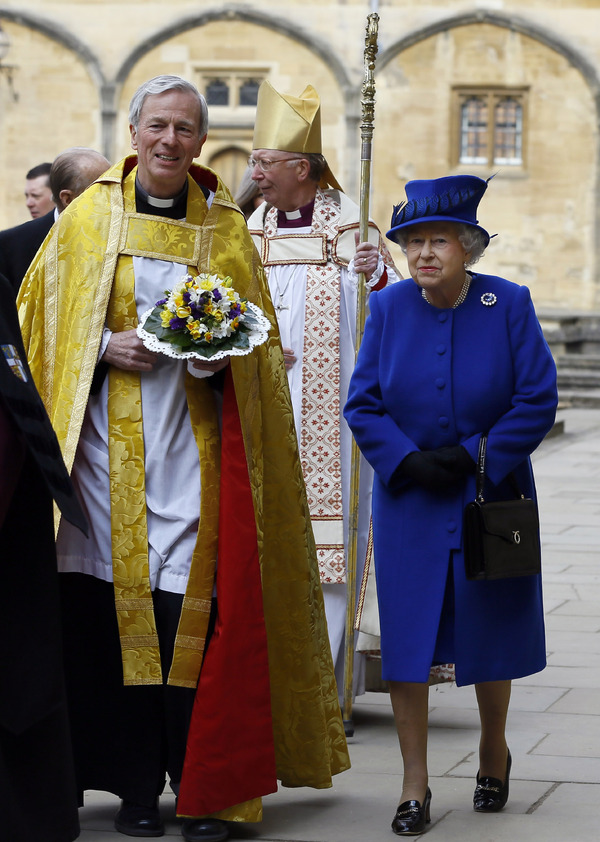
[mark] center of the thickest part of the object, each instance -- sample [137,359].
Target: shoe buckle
[484,788]
[407,812]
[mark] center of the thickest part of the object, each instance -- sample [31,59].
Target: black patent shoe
[491,794]
[411,817]
[204,830]
[137,820]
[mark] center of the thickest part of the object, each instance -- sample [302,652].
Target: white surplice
[171,463]
[287,284]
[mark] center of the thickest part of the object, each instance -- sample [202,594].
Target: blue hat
[453,198]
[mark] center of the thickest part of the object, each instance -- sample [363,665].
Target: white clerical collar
[159,203]
[155,202]
[295,214]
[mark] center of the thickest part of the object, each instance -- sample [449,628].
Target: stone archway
[586,275]
[59,83]
[283,31]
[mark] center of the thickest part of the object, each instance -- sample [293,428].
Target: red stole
[230,754]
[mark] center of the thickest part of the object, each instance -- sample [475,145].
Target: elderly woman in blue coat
[446,357]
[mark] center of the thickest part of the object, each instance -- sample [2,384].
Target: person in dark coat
[71,172]
[19,245]
[37,784]
[448,356]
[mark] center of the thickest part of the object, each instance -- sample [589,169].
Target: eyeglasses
[264,164]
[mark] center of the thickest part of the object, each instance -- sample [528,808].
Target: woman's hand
[455,459]
[437,470]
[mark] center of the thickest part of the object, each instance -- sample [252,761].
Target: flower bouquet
[203,317]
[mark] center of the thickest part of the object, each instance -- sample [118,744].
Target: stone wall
[77,62]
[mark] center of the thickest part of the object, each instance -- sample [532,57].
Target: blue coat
[428,378]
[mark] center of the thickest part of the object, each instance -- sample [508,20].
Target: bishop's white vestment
[303,264]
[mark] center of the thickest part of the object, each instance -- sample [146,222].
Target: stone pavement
[554,722]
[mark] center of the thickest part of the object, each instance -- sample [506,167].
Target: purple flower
[161,302]
[186,296]
[177,324]
[217,295]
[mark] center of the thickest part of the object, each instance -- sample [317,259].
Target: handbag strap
[481,473]
[481,468]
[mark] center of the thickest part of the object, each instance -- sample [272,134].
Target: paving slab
[554,721]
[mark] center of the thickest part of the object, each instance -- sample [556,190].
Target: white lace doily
[258,334]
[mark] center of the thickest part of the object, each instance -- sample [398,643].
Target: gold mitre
[290,124]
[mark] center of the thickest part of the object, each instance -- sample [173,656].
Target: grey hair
[160,85]
[75,169]
[318,165]
[471,239]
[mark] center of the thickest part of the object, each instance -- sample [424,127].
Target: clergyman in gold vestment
[196,597]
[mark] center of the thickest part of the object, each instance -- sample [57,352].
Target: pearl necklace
[461,296]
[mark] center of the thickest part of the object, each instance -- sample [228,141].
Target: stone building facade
[491,87]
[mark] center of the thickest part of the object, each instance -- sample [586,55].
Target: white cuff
[106,334]
[375,277]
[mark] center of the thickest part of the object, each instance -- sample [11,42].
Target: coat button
[440,383]
[451,526]
[441,349]
[443,421]
[443,317]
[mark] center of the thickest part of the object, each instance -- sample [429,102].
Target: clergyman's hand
[126,350]
[289,358]
[366,258]
[211,366]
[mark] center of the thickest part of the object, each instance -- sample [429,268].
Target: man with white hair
[176,462]
[306,233]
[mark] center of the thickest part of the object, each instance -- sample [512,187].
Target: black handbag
[501,539]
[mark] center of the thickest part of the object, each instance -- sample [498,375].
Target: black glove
[455,459]
[426,469]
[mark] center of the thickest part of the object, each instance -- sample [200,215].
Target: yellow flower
[183,311]
[194,329]
[165,317]
[206,283]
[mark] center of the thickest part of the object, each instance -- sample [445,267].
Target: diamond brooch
[489,299]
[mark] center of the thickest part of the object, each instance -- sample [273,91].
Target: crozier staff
[446,357]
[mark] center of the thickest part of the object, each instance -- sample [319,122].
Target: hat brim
[391,234]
